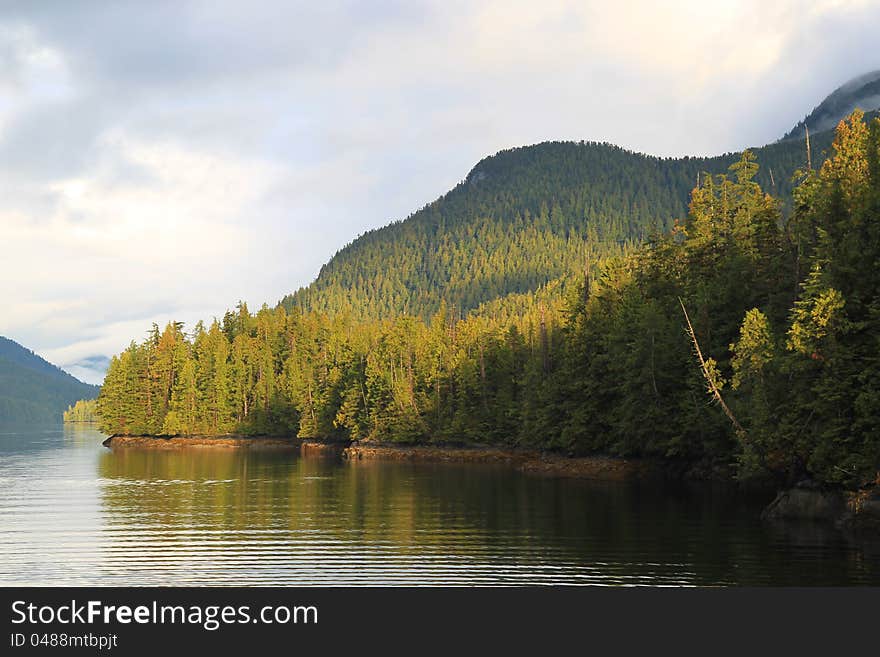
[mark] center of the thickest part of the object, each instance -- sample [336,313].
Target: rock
[589,467]
[806,503]
[433,453]
[528,461]
[322,449]
[871,510]
[863,514]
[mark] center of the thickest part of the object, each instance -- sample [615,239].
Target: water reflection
[75,512]
[294,520]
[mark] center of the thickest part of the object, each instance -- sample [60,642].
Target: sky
[163,160]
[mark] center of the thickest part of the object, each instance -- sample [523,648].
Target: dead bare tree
[809,151]
[710,381]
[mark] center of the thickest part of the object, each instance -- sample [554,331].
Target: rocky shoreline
[608,468]
[858,511]
[184,442]
[529,461]
[432,453]
[322,449]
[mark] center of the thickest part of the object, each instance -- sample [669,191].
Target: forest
[741,338]
[83,411]
[523,218]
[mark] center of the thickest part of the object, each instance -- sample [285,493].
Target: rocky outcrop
[863,511]
[806,501]
[435,454]
[321,449]
[184,442]
[854,511]
[590,467]
[528,461]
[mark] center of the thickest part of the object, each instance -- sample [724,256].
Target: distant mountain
[523,218]
[862,92]
[33,390]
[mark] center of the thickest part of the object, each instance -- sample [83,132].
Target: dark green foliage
[521,219]
[34,391]
[779,376]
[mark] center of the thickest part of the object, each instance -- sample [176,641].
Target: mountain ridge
[861,92]
[555,205]
[34,390]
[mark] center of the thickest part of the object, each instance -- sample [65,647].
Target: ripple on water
[74,513]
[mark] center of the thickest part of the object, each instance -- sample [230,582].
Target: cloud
[163,160]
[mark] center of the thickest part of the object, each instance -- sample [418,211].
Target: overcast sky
[161,160]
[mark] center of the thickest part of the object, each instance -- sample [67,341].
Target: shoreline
[850,510]
[527,461]
[184,442]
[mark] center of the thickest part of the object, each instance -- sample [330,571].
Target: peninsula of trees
[742,337]
[84,411]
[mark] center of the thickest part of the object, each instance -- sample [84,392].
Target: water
[75,513]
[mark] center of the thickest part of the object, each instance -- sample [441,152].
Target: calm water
[74,513]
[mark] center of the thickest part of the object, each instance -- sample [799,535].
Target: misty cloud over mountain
[861,92]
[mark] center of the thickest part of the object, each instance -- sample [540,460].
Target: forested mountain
[862,92]
[33,390]
[739,339]
[522,218]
